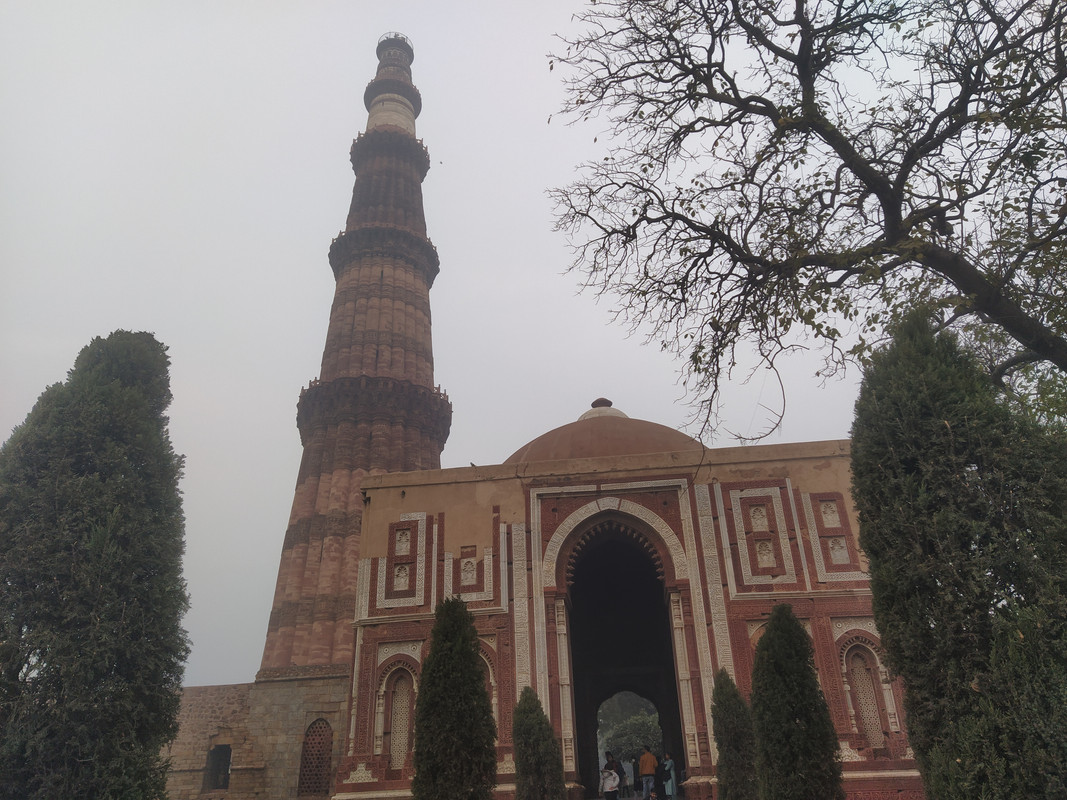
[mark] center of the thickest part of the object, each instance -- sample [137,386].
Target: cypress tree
[962,506]
[731,721]
[796,745]
[455,734]
[91,592]
[538,757]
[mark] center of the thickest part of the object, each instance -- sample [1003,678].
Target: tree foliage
[735,739]
[538,757]
[797,756]
[455,734]
[91,591]
[620,707]
[786,172]
[962,507]
[627,739]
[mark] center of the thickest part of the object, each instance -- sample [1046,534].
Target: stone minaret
[374,407]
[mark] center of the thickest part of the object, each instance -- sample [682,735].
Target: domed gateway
[607,555]
[611,555]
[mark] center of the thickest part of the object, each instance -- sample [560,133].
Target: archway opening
[626,722]
[620,635]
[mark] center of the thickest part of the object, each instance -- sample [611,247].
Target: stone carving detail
[866,717]
[403,542]
[522,608]
[822,574]
[758,514]
[831,517]
[400,577]
[387,650]
[670,539]
[773,496]
[361,775]
[494,689]
[847,753]
[379,723]
[420,570]
[700,620]
[843,624]
[385,675]
[565,689]
[765,554]
[468,572]
[838,551]
[845,637]
[685,681]
[719,626]
[363,588]
[470,597]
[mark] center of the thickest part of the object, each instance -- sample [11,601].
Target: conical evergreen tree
[455,734]
[962,514]
[731,721]
[796,745]
[538,757]
[91,591]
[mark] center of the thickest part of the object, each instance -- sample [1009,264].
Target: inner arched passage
[620,632]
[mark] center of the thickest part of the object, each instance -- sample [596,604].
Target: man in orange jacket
[647,767]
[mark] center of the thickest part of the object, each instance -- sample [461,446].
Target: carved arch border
[488,655]
[846,643]
[854,636]
[613,508]
[664,547]
[384,674]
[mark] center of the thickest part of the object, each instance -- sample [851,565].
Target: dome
[603,431]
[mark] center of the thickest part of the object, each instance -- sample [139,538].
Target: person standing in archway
[647,767]
[613,763]
[667,771]
[609,781]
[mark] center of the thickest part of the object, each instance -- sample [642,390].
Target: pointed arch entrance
[620,629]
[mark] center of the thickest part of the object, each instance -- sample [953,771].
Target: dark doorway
[217,774]
[620,635]
[626,722]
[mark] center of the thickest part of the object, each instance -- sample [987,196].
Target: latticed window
[400,720]
[316,758]
[865,688]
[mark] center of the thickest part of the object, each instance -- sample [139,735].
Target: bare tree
[787,172]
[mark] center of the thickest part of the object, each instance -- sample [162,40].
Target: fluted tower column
[374,407]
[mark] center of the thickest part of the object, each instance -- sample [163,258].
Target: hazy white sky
[182,168]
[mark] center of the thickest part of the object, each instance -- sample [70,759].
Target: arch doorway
[620,634]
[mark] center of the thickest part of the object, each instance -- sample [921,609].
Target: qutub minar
[610,554]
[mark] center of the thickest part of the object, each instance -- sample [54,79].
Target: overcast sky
[181,168]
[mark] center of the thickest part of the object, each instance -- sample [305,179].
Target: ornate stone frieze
[832,545]
[762,519]
[361,775]
[387,650]
[418,596]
